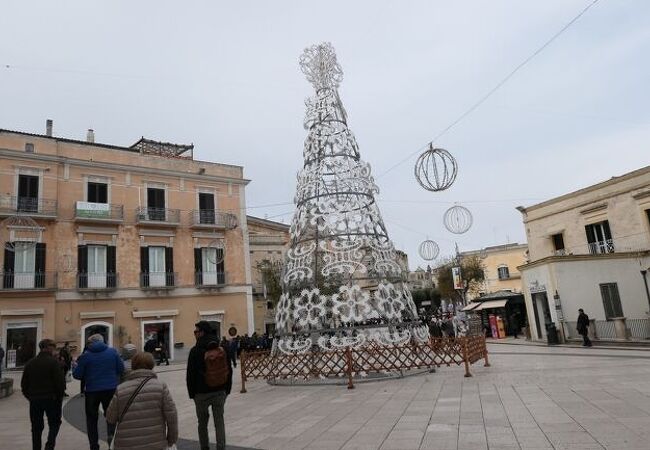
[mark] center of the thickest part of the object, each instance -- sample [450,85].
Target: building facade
[590,249]
[269,241]
[500,264]
[133,242]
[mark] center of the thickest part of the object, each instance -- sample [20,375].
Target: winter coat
[100,367]
[151,422]
[196,369]
[583,323]
[43,378]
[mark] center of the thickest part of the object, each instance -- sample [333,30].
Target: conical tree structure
[342,285]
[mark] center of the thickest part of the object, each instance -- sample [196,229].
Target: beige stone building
[269,241]
[500,264]
[133,242]
[590,249]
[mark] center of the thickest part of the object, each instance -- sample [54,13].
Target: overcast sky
[224,76]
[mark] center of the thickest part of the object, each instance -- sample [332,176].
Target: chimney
[48,127]
[90,136]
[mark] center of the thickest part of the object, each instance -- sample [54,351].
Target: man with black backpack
[209,381]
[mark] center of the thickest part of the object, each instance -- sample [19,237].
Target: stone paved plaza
[531,398]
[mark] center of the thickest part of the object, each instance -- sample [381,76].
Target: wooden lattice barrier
[351,363]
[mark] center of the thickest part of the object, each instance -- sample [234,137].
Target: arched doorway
[103,328]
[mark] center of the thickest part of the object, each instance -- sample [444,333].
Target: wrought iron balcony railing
[208,279]
[152,280]
[25,281]
[163,216]
[210,218]
[97,281]
[606,246]
[100,212]
[10,205]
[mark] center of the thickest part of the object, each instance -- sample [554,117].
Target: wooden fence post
[348,354]
[485,353]
[242,367]
[466,358]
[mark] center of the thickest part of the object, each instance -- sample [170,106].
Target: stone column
[621,328]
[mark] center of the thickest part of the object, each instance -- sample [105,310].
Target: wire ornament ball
[19,229]
[428,250]
[436,169]
[218,255]
[458,219]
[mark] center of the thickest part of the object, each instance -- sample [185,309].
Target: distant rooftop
[166,149]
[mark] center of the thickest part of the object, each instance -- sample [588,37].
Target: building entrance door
[161,332]
[542,313]
[21,343]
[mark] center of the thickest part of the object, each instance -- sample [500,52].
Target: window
[611,300]
[157,266]
[206,208]
[599,238]
[97,192]
[29,147]
[209,266]
[96,266]
[28,193]
[24,267]
[504,273]
[156,204]
[647,211]
[558,244]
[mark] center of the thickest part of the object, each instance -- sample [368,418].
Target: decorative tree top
[320,66]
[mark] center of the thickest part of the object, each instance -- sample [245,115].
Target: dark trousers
[203,403]
[52,409]
[586,342]
[162,357]
[93,400]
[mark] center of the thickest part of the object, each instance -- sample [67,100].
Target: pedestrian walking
[43,384]
[65,360]
[101,368]
[209,381]
[162,353]
[142,409]
[514,324]
[583,328]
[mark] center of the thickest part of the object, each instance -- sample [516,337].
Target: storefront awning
[470,307]
[491,304]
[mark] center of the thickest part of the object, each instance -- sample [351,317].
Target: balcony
[158,280]
[209,279]
[606,246]
[97,281]
[158,216]
[33,207]
[28,281]
[98,212]
[212,219]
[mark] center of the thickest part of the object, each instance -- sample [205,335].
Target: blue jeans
[52,409]
[203,403]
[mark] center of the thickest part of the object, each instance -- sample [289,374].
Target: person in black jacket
[583,327]
[204,396]
[43,384]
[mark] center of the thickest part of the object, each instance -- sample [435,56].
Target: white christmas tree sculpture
[342,285]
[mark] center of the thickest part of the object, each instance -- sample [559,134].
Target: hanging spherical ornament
[436,169]
[458,219]
[215,251]
[428,250]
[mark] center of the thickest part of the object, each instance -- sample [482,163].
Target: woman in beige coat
[151,422]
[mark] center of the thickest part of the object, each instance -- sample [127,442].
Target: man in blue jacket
[101,368]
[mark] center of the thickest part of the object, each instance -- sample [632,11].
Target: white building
[590,249]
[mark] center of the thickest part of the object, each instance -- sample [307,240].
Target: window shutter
[82,266]
[8,278]
[608,233]
[39,266]
[221,271]
[591,237]
[144,266]
[111,266]
[198,269]
[169,265]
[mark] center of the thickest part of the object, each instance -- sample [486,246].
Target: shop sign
[88,209]
[536,287]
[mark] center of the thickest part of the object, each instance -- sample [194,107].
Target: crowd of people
[138,407]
